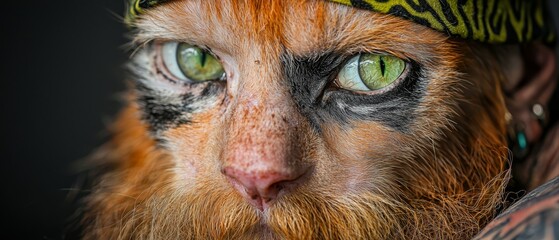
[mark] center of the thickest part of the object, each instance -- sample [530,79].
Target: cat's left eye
[370,72]
[191,63]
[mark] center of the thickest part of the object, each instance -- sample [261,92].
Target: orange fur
[441,180]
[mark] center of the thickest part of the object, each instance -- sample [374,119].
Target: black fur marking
[160,114]
[162,109]
[212,89]
[309,79]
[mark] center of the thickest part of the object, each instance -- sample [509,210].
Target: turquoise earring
[517,140]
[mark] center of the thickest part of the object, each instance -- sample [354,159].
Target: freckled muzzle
[263,154]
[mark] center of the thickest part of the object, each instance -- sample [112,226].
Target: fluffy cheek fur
[440,178]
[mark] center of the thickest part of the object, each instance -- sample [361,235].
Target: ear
[534,83]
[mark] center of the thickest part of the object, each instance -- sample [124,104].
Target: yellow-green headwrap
[137,7]
[491,21]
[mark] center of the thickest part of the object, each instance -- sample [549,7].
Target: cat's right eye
[190,63]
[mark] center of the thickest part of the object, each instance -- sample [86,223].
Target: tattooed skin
[536,216]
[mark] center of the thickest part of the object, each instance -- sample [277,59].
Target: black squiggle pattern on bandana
[491,21]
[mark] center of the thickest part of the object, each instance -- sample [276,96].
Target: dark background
[59,88]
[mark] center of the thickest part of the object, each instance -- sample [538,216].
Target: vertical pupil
[382,66]
[203,59]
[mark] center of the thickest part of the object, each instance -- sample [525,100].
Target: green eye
[369,72]
[192,63]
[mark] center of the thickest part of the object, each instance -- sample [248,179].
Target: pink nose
[260,188]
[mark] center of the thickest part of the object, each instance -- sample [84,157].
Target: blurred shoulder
[535,216]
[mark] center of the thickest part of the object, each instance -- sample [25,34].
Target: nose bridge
[262,154]
[260,137]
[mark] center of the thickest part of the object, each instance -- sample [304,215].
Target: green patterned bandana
[136,7]
[491,21]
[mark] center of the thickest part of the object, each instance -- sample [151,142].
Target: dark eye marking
[310,86]
[176,103]
[163,112]
[159,113]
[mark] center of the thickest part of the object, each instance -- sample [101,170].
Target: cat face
[294,120]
